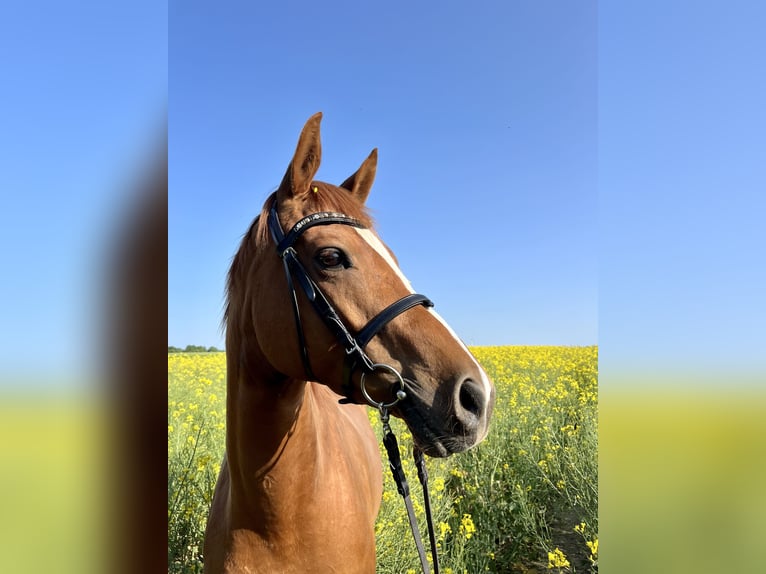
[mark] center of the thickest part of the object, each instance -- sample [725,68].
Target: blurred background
[83,229]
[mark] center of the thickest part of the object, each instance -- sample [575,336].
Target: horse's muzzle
[453,423]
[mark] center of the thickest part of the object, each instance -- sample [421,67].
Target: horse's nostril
[471,399]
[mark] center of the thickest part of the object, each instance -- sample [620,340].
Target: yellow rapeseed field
[525,498]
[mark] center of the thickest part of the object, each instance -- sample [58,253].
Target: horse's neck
[293,453]
[262,418]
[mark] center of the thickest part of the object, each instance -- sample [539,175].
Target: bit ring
[400,394]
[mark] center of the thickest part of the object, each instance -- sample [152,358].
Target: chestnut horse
[301,480]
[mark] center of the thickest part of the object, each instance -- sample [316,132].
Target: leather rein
[356,358]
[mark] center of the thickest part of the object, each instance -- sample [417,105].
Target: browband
[323,218]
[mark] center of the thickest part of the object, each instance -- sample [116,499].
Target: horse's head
[285,265]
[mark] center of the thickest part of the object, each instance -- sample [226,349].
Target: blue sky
[598,171]
[485,119]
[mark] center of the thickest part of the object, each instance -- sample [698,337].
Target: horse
[307,348]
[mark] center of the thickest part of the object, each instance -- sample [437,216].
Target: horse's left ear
[305,162]
[360,183]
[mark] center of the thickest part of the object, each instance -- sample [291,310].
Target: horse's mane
[326,198]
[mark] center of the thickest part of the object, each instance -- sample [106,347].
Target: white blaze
[378,246]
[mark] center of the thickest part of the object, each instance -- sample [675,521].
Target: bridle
[355,357]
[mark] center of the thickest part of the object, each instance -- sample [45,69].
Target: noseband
[356,358]
[354,345]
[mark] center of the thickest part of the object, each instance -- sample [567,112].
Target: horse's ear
[360,183]
[305,162]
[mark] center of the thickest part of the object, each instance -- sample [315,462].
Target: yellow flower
[557,559]
[467,526]
[444,529]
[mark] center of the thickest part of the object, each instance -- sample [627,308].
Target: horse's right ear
[305,162]
[360,183]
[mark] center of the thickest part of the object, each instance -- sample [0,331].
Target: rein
[356,358]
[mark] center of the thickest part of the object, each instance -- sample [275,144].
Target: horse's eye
[331,258]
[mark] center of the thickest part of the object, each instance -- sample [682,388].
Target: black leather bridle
[353,344]
[356,358]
